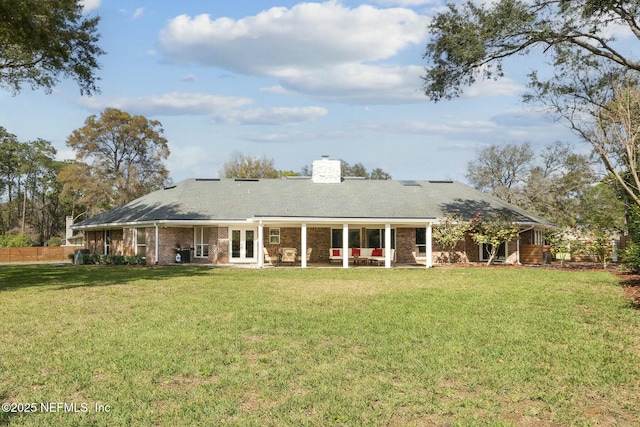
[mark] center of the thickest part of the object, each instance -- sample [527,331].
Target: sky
[286,80]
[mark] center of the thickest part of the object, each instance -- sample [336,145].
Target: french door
[243,245]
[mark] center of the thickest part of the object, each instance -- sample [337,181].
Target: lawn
[121,346]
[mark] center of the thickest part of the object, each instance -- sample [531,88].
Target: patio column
[387,246]
[345,245]
[260,244]
[156,243]
[303,239]
[429,254]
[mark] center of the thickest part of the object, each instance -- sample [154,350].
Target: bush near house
[93,259]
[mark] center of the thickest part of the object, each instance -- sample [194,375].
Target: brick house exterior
[227,221]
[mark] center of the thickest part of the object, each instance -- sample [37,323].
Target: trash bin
[78,256]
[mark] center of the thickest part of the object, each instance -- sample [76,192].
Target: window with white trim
[107,242]
[376,238]
[141,242]
[201,239]
[353,236]
[274,236]
[538,237]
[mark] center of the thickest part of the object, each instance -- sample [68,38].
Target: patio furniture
[267,257]
[380,259]
[299,257]
[289,255]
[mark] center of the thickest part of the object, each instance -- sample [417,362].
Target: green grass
[217,346]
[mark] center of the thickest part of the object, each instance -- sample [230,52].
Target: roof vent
[446,181]
[207,179]
[410,183]
[246,180]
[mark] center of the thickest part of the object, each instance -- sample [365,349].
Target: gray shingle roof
[228,199]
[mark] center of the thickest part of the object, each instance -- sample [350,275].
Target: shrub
[54,241]
[19,240]
[631,257]
[92,259]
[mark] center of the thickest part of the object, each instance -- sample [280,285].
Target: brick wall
[219,245]
[169,240]
[318,238]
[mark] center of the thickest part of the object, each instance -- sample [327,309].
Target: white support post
[156,244]
[429,254]
[387,246]
[260,244]
[345,245]
[303,239]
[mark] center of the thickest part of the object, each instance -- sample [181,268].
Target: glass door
[243,245]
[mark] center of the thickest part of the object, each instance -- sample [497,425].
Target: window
[538,237]
[376,238]
[336,238]
[141,242]
[485,250]
[421,241]
[274,236]
[201,239]
[107,242]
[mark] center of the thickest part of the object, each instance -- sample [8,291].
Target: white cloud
[89,5]
[323,49]
[170,104]
[360,83]
[273,116]
[221,109]
[137,13]
[307,35]
[406,3]
[501,87]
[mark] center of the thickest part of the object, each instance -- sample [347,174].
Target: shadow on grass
[15,277]
[631,285]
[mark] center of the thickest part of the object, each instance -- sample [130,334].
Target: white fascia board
[166,223]
[345,220]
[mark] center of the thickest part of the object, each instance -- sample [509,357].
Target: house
[245,221]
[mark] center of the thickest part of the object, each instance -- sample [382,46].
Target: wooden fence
[533,254]
[37,254]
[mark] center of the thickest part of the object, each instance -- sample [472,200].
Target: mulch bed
[631,284]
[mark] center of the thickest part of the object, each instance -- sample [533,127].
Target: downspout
[157,256]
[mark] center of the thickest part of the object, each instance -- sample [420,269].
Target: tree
[501,169]
[472,41]
[41,40]
[11,161]
[30,202]
[378,173]
[124,155]
[590,69]
[615,136]
[549,184]
[493,231]
[241,166]
[449,232]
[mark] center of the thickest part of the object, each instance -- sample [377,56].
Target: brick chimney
[326,171]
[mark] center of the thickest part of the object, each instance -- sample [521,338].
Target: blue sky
[288,80]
